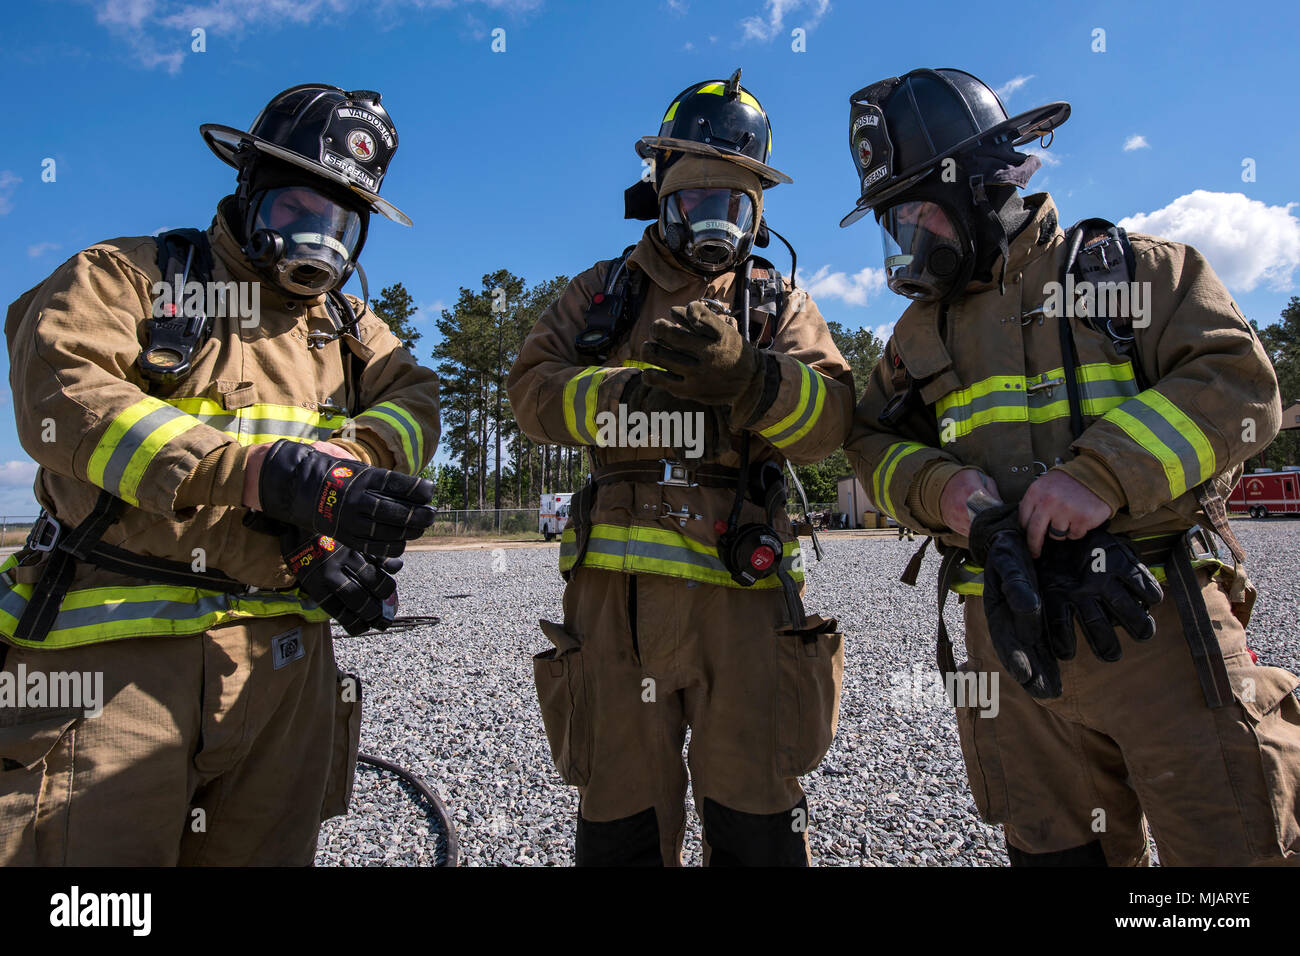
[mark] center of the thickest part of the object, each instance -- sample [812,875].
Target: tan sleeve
[808,406]
[79,403]
[902,473]
[554,392]
[1214,399]
[400,425]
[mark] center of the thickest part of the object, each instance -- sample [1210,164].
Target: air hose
[400,624]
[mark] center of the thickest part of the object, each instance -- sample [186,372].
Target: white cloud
[8,183]
[1045,156]
[850,289]
[765,27]
[688,46]
[677,6]
[1136,142]
[41,248]
[430,312]
[1013,84]
[1246,241]
[158,33]
[17,474]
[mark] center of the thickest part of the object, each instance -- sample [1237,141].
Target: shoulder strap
[184,253]
[613,310]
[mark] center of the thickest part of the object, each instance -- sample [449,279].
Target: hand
[1057,501]
[1099,583]
[365,507]
[1012,605]
[952,500]
[705,359]
[357,592]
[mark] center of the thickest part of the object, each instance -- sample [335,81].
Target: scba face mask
[710,230]
[304,240]
[928,252]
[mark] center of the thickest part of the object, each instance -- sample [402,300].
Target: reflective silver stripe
[231,425]
[814,388]
[580,405]
[130,443]
[1108,388]
[1004,398]
[1172,438]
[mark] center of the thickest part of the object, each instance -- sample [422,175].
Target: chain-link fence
[505,522]
[14,528]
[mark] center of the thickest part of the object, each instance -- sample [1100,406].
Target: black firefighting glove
[704,358]
[365,507]
[1011,600]
[358,592]
[716,439]
[1099,583]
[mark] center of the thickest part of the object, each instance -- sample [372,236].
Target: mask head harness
[935,155]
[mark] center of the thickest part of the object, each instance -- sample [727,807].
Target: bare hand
[1057,501]
[952,501]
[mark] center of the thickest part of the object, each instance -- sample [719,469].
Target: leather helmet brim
[647,145]
[225,142]
[1029,125]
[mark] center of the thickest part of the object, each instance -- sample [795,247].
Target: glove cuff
[758,396]
[988,524]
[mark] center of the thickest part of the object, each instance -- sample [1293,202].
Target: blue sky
[518,159]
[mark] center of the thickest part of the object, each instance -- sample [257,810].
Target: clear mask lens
[923,250]
[319,235]
[716,223]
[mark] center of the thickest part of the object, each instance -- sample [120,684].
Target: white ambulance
[554,513]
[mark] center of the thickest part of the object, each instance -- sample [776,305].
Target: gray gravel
[455,703]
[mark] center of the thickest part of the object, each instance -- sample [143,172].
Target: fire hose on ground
[431,798]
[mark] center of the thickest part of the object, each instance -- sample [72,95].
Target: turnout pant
[224,748]
[1132,743]
[638,660]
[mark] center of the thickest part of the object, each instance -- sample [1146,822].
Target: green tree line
[494,465]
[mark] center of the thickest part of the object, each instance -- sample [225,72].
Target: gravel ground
[455,703]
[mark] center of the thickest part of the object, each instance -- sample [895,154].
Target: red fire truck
[1264,492]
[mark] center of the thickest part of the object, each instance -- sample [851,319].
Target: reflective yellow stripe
[1162,430]
[95,615]
[131,442]
[407,428]
[1006,398]
[262,422]
[807,410]
[884,474]
[634,363]
[580,394]
[651,550]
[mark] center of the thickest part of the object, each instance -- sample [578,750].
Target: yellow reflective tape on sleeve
[1185,427]
[804,415]
[148,451]
[884,474]
[131,442]
[636,363]
[580,395]
[408,431]
[116,431]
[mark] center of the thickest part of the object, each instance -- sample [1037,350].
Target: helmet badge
[361,145]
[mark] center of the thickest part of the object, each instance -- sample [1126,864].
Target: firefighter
[684,577]
[1063,410]
[216,484]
